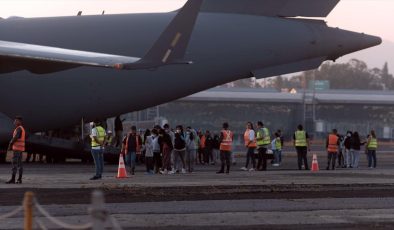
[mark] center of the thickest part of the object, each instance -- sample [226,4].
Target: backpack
[179,141]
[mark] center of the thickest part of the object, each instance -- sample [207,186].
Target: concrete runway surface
[280,198]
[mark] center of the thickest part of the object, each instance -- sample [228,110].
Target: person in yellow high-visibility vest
[372,146]
[263,139]
[276,146]
[301,143]
[98,136]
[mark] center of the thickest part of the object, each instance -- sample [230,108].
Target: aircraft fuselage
[223,47]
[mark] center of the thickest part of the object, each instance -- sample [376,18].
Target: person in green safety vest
[372,146]
[98,136]
[276,146]
[282,142]
[301,143]
[263,140]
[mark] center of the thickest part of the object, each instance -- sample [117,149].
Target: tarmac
[280,198]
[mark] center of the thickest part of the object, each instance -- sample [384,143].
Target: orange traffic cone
[121,169]
[315,164]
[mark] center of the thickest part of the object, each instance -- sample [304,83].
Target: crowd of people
[348,148]
[169,151]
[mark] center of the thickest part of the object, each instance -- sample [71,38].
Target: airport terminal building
[319,111]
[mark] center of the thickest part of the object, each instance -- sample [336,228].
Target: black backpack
[179,141]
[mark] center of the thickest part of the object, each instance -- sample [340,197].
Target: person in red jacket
[132,145]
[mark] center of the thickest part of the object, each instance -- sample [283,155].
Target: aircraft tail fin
[273,8]
[171,46]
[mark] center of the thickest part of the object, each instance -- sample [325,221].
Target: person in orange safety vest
[332,145]
[17,145]
[226,142]
[250,145]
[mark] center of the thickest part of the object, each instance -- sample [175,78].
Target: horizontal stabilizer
[273,8]
[289,68]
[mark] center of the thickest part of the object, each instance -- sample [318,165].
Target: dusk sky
[369,16]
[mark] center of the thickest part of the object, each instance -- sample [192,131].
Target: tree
[246,83]
[352,75]
[279,83]
[387,78]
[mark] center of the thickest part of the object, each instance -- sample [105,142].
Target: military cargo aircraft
[55,71]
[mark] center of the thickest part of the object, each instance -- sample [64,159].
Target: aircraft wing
[169,49]
[273,8]
[44,59]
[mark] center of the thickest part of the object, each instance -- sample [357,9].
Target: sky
[369,16]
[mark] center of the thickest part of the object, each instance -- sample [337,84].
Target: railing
[99,215]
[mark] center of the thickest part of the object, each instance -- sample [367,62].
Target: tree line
[353,75]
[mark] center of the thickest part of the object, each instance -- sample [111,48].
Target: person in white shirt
[156,150]
[148,147]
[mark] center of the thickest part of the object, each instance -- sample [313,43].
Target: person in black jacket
[355,147]
[179,149]
[216,148]
[208,156]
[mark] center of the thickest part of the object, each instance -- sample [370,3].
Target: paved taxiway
[281,198]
